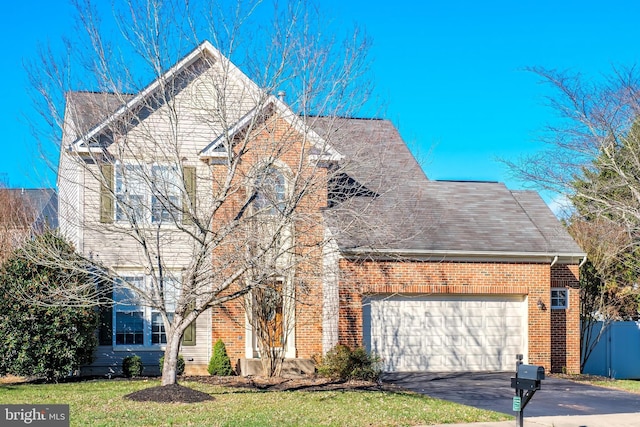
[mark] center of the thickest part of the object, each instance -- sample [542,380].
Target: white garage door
[445,333]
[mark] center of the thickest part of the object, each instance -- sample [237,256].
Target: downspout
[555,259]
[583,262]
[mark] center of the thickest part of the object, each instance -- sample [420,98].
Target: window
[165,200]
[129,316]
[135,323]
[148,194]
[269,192]
[559,298]
[130,193]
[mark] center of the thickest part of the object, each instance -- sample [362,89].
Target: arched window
[269,192]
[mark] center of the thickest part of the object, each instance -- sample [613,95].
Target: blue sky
[451,72]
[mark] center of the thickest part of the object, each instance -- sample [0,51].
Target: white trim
[147,316]
[566,298]
[330,154]
[205,48]
[471,256]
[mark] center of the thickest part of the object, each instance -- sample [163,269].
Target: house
[440,276]
[24,211]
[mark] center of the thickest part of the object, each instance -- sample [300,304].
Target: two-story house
[326,229]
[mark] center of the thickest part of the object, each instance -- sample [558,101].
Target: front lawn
[632,386]
[101,402]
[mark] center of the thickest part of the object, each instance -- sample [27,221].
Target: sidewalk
[606,420]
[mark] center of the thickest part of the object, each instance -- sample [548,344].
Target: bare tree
[202,186]
[592,156]
[606,294]
[17,217]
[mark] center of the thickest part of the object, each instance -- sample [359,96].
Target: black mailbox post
[526,383]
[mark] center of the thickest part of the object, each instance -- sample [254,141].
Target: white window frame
[131,305]
[556,299]
[272,202]
[140,194]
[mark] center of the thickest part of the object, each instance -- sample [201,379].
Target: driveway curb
[607,420]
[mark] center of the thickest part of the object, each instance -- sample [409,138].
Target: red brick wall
[553,337]
[388,277]
[228,324]
[565,324]
[276,139]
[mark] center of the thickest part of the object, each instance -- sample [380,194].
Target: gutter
[456,255]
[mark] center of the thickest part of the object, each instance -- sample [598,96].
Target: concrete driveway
[493,391]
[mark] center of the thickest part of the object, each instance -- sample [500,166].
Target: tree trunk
[169,367]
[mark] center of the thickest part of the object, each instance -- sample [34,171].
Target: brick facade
[554,352]
[278,141]
[565,324]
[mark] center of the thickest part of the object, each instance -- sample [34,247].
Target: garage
[445,333]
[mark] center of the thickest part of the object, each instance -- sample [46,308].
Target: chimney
[281,95]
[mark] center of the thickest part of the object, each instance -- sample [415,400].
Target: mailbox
[530,372]
[526,382]
[528,377]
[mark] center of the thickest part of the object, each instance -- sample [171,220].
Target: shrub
[220,363]
[41,333]
[345,364]
[132,366]
[179,366]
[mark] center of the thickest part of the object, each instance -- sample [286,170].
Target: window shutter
[105,331]
[105,315]
[189,337]
[106,194]
[189,202]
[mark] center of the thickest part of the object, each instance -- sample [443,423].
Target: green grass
[101,403]
[626,385]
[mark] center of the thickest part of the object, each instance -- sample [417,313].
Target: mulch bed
[174,393]
[180,394]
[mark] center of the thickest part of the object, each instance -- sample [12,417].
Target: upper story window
[165,199]
[559,298]
[269,192]
[148,194]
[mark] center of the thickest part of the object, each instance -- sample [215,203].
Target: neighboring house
[25,211]
[440,276]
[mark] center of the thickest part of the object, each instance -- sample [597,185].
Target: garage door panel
[431,321]
[492,321]
[473,322]
[447,333]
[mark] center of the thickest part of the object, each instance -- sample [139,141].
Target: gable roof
[440,219]
[93,112]
[133,101]
[320,149]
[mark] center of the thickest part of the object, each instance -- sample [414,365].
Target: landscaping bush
[179,366]
[132,366]
[42,333]
[345,364]
[220,363]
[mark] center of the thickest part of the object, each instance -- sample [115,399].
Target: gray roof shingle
[409,212]
[412,213]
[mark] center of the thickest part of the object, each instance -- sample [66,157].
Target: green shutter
[189,201]
[189,337]
[106,194]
